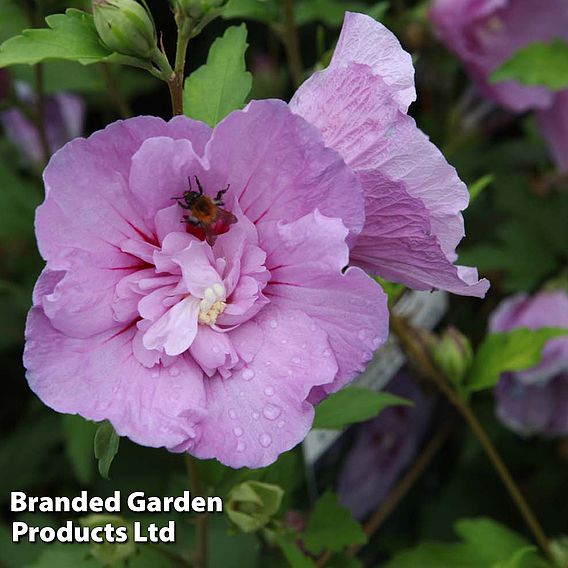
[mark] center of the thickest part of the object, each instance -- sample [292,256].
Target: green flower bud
[110,553]
[198,13]
[252,504]
[197,9]
[453,354]
[125,27]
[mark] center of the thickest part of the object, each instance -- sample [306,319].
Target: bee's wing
[226,217]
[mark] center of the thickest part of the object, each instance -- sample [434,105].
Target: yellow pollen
[209,316]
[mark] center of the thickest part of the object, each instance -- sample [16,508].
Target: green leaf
[78,434]
[392,289]
[529,241]
[331,527]
[25,453]
[244,549]
[265,11]
[71,36]
[537,64]
[352,405]
[332,12]
[65,556]
[18,200]
[477,187]
[295,557]
[518,558]
[222,84]
[512,351]
[13,19]
[485,544]
[106,447]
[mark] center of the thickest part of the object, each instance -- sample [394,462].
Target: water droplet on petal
[362,334]
[238,431]
[174,372]
[267,363]
[273,324]
[304,345]
[326,353]
[271,412]
[232,414]
[241,446]
[215,349]
[284,341]
[265,440]
[248,374]
[155,374]
[281,424]
[296,360]
[268,391]
[256,415]
[242,393]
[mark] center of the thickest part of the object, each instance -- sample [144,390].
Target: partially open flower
[200,291]
[535,401]
[384,447]
[486,33]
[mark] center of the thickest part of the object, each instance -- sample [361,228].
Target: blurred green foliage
[517,235]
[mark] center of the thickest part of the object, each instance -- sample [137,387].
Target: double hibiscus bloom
[221,347]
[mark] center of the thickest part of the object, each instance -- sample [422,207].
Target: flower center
[212,305]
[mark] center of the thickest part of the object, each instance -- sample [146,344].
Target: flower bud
[453,354]
[199,12]
[107,552]
[125,27]
[252,504]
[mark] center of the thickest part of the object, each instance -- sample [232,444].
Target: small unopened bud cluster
[125,27]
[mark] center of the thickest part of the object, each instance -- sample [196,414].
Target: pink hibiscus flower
[220,346]
[535,401]
[486,33]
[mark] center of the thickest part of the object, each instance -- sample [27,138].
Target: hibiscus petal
[175,331]
[413,197]
[261,411]
[212,350]
[553,124]
[364,40]
[160,171]
[279,169]
[196,264]
[306,259]
[88,203]
[100,379]
[79,301]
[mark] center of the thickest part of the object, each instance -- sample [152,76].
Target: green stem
[40,122]
[38,116]
[200,558]
[166,73]
[410,342]
[292,43]
[114,94]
